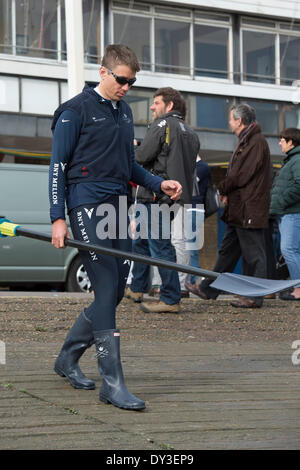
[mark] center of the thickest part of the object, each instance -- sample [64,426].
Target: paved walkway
[199,395]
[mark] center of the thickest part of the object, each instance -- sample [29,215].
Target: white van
[24,201]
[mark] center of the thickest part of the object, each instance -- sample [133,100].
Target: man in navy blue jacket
[91,166]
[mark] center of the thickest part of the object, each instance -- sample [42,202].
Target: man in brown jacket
[245,193]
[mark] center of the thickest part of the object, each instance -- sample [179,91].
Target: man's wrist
[57,218]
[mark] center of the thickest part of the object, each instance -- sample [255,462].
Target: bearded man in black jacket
[169,150]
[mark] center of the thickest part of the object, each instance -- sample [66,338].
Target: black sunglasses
[122,80]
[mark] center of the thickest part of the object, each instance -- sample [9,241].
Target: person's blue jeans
[289,227]
[156,246]
[195,219]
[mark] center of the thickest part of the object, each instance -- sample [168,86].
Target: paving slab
[213,378]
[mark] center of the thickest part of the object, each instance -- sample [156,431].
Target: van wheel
[78,280]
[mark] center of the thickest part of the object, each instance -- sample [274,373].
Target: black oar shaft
[248,286]
[121,254]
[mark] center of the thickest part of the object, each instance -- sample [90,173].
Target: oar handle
[7,229]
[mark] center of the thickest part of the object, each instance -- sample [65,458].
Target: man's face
[235,124]
[109,86]
[158,107]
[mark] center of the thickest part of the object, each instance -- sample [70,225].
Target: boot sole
[111,402]
[77,386]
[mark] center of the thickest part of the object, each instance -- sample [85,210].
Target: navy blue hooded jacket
[92,153]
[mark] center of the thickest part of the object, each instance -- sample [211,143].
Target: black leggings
[108,275]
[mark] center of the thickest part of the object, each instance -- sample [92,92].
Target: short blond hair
[118,54]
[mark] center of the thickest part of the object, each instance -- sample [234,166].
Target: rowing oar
[227,282]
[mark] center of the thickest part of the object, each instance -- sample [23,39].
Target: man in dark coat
[245,192]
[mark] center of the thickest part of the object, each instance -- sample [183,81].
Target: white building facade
[216,53]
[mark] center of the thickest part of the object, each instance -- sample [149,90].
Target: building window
[259,57]
[5,27]
[211,51]
[36,28]
[140,102]
[204,111]
[267,115]
[92,30]
[211,112]
[30,28]
[135,33]
[270,51]
[62,53]
[172,47]
[174,40]
[289,59]
[291,116]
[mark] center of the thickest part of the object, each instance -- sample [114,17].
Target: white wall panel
[9,94]
[24,66]
[64,93]
[39,96]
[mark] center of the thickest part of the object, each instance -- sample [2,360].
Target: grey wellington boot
[79,338]
[113,389]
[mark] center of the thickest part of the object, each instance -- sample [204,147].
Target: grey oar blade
[249,286]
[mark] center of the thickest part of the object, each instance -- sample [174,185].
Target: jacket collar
[173,113]
[292,153]
[94,94]
[252,129]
